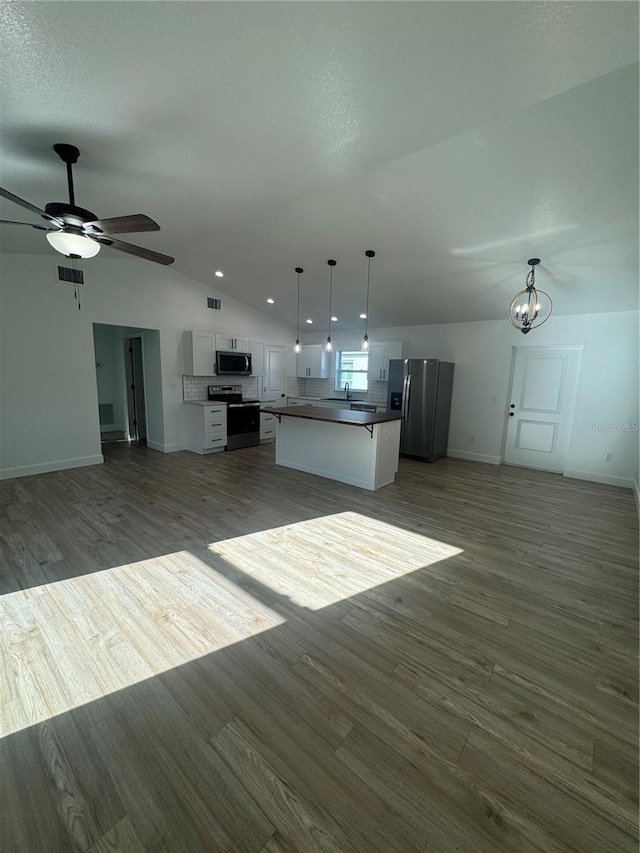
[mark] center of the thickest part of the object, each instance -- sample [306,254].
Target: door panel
[274,383]
[543,384]
[541,403]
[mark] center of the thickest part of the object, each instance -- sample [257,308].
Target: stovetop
[227,394]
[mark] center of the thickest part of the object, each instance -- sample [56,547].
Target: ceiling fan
[78,233]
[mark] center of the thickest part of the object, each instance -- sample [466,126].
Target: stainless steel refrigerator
[420,388]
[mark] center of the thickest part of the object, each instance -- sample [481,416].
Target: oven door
[243,425]
[233,363]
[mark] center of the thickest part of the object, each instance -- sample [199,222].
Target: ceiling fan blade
[28,224]
[138,251]
[17,200]
[124,224]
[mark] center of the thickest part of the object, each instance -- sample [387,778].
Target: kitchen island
[359,448]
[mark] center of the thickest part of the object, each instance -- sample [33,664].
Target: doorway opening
[128,379]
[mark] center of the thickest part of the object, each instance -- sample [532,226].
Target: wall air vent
[69,274]
[216,304]
[107,415]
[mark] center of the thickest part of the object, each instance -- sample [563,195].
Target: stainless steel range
[243,416]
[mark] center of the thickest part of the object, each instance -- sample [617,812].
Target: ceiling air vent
[216,304]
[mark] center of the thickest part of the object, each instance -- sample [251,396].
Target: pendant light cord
[370,254]
[330,291]
[298,271]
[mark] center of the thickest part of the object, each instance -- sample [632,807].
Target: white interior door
[543,395]
[274,380]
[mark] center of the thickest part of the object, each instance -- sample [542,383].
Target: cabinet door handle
[216,424]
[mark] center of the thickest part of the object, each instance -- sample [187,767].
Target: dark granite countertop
[335,416]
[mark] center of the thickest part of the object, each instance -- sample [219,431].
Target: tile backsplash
[195,388]
[377,392]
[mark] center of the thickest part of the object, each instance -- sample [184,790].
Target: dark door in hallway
[134,368]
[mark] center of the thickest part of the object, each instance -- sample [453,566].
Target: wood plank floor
[215,654]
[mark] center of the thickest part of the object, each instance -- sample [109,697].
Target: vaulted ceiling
[457,139]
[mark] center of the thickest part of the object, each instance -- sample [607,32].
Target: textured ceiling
[456,139]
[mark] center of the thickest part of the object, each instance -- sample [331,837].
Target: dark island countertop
[335,416]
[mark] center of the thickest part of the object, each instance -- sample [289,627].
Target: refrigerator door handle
[405,396]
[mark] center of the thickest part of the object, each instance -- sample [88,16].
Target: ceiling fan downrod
[68,154]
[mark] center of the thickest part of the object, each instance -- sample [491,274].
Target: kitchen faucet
[347,391]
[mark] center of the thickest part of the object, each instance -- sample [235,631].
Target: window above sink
[352,366]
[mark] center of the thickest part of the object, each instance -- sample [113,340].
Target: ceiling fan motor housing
[70,214]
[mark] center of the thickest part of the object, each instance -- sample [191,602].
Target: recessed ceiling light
[309,321]
[334,319]
[271,301]
[363,316]
[219,273]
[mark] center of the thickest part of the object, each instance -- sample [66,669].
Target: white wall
[482,352]
[48,389]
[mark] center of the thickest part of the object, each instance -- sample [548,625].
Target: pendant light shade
[364,346]
[297,348]
[329,343]
[530,308]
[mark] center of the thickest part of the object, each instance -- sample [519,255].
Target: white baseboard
[166,448]
[474,457]
[47,467]
[595,477]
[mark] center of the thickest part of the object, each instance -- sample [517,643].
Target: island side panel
[387,441]
[337,451]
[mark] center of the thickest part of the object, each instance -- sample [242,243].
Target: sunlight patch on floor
[318,562]
[68,643]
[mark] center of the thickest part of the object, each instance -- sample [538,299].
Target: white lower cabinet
[268,425]
[206,428]
[299,401]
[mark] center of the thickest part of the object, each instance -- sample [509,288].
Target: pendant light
[297,348]
[329,344]
[530,304]
[364,346]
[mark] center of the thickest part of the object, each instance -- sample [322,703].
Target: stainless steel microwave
[233,363]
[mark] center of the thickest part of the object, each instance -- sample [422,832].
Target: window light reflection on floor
[319,562]
[77,640]
[74,641]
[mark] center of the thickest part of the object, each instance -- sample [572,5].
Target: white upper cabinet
[231,343]
[199,353]
[313,362]
[258,363]
[379,357]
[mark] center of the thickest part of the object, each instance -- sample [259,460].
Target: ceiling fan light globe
[73,244]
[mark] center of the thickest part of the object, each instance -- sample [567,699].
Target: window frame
[339,385]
